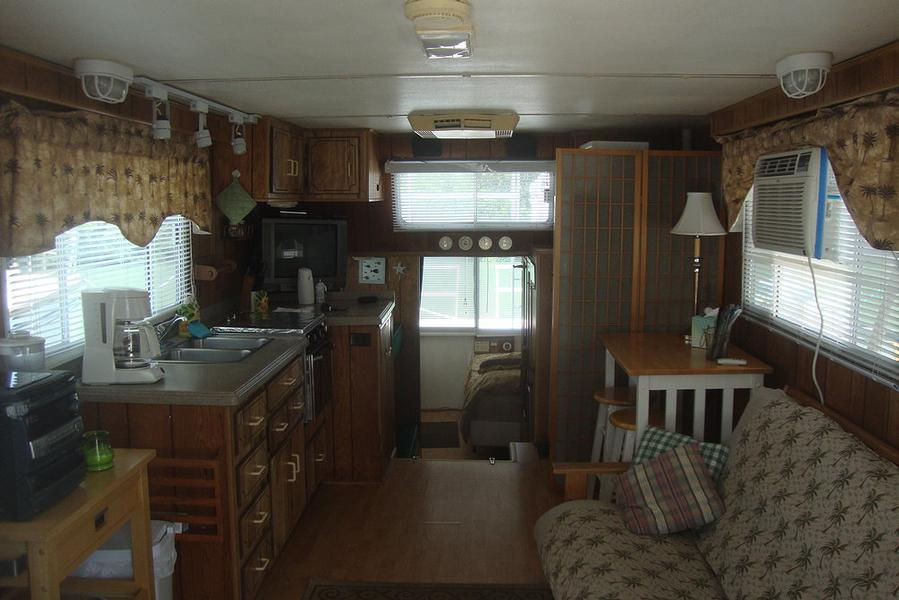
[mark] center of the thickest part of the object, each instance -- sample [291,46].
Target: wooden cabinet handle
[298,406]
[320,457]
[289,381]
[280,427]
[264,562]
[294,471]
[259,470]
[256,421]
[262,518]
[296,457]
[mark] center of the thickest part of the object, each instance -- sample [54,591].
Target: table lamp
[699,219]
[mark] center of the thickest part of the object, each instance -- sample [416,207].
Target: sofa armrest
[576,475]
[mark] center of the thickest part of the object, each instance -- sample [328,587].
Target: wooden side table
[61,538]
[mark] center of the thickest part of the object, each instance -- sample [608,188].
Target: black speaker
[426,147]
[522,146]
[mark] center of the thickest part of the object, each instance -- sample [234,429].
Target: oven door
[318,378]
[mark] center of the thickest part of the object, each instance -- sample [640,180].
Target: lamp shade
[699,217]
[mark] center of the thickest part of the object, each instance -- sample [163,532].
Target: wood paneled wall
[868,73]
[863,401]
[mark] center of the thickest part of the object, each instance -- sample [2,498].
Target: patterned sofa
[811,513]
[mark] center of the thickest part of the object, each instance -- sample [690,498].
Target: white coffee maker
[119,343]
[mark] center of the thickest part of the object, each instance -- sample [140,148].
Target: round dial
[505,243]
[485,243]
[465,243]
[445,243]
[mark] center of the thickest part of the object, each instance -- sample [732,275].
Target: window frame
[59,354]
[394,168]
[476,330]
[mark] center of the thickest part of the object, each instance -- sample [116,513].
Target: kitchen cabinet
[278,166]
[235,474]
[343,166]
[364,404]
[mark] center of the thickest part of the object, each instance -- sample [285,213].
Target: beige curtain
[862,142]
[58,170]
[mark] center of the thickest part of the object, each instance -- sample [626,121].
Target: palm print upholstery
[588,554]
[812,513]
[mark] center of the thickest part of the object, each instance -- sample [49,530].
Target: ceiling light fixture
[202,135]
[238,138]
[104,80]
[802,75]
[443,26]
[162,112]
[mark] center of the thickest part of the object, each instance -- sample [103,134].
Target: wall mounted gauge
[445,243]
[485,243]
[505,243]
[465,243]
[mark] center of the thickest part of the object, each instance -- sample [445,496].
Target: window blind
[43,291]
[859,295]
[454,195]
[499,293]
[447,293]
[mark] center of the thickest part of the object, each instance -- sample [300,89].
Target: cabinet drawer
[251,474]
[255,522]
[257,566]
[284,383]
[296,406]
[250,424]
[278,426]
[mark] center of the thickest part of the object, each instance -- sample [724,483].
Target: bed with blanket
[492,412]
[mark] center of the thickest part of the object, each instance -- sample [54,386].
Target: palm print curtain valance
[862,141]
[59,170]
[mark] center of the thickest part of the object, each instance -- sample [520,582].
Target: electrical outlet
[372,269]
[482,347]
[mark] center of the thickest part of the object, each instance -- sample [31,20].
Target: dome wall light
[202,135]
[104,80]
[238,135]
[802,75]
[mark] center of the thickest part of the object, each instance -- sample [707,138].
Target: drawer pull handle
[259,470]
[280,427]
[264,562]
[320,457]
[298,406]
[100,520]
[262,518]
[294,471]
[296,457]
[289,381]
[256,421]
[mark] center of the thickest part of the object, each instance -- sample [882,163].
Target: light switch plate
[372,269]
[482,347]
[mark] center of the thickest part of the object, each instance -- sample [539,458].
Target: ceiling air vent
[463,125]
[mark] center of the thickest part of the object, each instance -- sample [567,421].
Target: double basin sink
[215,349]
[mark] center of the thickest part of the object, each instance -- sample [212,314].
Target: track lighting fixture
[162,112]
[202,136]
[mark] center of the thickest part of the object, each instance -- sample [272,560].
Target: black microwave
[290,244]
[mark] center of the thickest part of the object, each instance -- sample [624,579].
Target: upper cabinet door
[286,162]
[334,166]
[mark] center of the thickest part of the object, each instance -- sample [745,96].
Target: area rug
[440,435]
[345,590]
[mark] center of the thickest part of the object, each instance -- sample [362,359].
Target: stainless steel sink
[203,355]
[229,343]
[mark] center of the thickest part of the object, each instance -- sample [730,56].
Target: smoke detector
[450,126]
[104,80]
[429,15]
[802,75]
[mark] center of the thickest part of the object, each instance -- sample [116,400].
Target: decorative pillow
[669,493]
[655,441]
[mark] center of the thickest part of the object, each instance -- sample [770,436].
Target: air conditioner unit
[790,204]
[463,125]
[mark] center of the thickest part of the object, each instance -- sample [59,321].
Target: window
[43,291]
[450,285]
[453,195]
[859,296]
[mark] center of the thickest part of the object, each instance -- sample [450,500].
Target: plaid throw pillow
[669,493]
[656,441]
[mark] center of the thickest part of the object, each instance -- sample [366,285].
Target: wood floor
[464,451]
[430,521]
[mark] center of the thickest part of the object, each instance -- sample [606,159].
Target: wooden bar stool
[624,425]
[610,399]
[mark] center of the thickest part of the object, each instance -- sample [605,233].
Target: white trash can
[113,559]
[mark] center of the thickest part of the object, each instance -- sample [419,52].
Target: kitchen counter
[210,384]
[349,312]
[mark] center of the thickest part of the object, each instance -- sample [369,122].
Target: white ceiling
[561,64]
